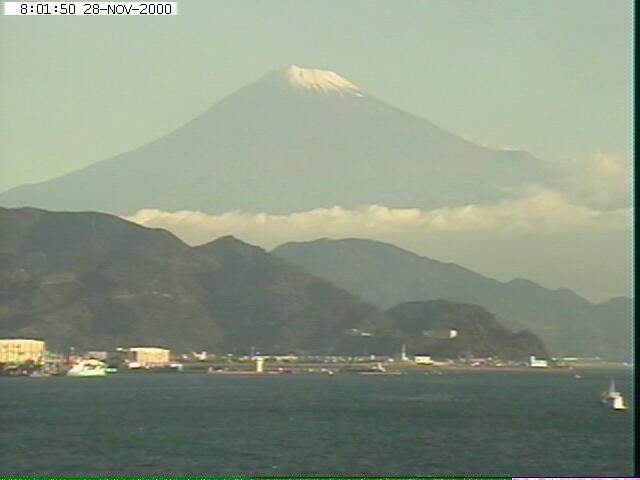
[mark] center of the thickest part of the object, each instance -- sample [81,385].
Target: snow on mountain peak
[324,81]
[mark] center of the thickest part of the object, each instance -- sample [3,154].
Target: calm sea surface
[458,423]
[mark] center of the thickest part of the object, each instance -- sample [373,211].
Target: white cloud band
[538,211]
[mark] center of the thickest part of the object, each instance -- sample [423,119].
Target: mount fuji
[294,140]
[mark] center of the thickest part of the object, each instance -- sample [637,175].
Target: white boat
[618,403]
[613,399]
[88,368]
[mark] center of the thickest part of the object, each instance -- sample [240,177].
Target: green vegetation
[386,275]
[96,282]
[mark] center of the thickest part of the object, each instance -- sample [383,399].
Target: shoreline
[319,368]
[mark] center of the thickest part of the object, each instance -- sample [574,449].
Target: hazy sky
[549,76]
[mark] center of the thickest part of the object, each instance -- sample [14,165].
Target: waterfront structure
[403,354]
[282,357]
[199,356]
[149,356]
[20,350]
[423,360]
[537,362]
[97,355]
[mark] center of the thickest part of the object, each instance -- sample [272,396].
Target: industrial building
[149,356]
[21,350]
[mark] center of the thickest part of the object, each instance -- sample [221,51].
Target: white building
[422,360]
[537,362]
[199,356]
[97,355]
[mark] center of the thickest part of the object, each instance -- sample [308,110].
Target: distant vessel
[88,368]
[613,399]
[377,369]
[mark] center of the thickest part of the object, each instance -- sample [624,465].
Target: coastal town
[30,357]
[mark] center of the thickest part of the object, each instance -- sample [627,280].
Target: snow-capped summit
[324,81]
[294,140]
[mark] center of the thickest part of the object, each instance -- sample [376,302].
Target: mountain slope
[385,275]
[89,279]
[478,333]
[295,140]
[95,281]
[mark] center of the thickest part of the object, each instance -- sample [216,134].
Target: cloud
[602,180]
[543,235]
[538,211]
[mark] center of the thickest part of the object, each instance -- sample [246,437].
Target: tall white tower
[403,353]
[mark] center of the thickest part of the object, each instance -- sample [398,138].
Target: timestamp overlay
[90,8]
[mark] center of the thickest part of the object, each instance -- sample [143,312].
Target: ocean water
[500,423]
